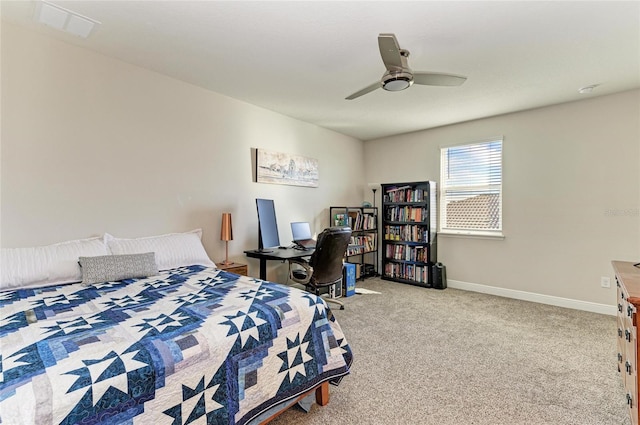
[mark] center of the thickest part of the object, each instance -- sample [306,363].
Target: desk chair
[324,268]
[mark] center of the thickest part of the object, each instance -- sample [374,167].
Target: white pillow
[172,250]
[47,265]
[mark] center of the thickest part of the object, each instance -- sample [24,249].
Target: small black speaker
[439,276]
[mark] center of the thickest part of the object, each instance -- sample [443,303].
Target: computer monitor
[267,225]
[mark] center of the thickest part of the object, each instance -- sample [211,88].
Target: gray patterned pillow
[107,268]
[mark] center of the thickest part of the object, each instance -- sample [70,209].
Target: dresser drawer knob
[619,358]
[629,311]
[627,366]
[627,335]
[629,400]
[620,332]
[620,307]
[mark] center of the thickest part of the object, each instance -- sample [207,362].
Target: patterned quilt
[193,345]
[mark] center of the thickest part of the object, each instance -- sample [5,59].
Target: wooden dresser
[628,283]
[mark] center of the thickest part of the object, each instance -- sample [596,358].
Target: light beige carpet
[424,356]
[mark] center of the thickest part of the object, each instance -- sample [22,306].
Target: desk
[276,254]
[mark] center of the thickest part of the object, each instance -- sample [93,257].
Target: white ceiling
[303,58]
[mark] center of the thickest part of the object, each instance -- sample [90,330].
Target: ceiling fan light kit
[398,75]
[397,81]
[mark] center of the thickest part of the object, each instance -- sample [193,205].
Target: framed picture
[284,168]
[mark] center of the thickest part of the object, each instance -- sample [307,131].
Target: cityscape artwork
[284,168]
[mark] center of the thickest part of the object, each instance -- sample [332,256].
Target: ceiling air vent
[64,20]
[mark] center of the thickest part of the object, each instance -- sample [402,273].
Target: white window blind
[471,189]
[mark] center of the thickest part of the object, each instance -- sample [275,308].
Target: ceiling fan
[398,75]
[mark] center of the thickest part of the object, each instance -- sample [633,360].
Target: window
[471,189]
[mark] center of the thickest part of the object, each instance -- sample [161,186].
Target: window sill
[472,235]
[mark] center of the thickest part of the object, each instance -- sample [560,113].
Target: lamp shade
[226,230]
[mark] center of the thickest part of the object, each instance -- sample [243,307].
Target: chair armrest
[300,261]
[308,270]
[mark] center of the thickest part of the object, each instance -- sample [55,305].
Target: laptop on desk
[301,232]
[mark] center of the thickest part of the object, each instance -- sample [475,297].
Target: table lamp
[226,235]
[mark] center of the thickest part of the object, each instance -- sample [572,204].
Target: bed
[190,344]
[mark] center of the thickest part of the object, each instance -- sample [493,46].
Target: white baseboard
[533,297]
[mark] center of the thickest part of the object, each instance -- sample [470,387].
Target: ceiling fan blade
[390,51]
[365,90]
[433,79]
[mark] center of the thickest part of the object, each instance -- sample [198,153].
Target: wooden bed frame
[322,398]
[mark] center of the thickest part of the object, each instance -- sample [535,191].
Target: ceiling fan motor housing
[397,80]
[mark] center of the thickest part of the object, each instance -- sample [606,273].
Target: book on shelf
[411,272]
[401,252]
[356,220]
[405,194]
[394,189]
[406,232]
[362,244]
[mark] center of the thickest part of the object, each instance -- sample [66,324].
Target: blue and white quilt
[193,345]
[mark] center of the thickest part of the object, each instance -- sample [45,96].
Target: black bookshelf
[409,237]
[363,248]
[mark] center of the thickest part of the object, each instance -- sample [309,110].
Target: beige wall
[571,195]
[93,145]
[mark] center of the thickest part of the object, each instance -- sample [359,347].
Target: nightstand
[237,268]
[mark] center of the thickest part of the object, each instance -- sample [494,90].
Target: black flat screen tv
[267,225]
